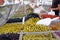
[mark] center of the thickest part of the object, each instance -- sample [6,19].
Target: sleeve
[54,4]
[58,1]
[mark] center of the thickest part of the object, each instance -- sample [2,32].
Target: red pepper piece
[48,16]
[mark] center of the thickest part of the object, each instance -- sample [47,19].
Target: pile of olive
[39,37]
[28,26]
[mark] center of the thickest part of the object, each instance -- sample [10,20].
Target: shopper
[55,6]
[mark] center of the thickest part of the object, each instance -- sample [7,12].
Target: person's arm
[59,6]
[53,8]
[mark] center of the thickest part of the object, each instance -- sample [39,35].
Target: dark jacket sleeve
[58,1]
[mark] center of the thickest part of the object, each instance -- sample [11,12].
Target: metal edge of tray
[40,32]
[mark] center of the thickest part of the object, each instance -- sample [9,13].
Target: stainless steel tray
[35,33]
[21,35]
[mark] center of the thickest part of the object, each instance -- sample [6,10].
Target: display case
[20,22]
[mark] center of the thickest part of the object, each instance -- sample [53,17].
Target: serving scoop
[46,21]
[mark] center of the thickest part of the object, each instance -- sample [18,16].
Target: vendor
[55,6]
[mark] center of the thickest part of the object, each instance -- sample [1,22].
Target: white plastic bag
[51,12]
[39,10]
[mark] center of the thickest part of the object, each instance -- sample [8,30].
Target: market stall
[28,20]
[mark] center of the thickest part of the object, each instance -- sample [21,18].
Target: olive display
[35,28]
[10,28]
[28,26]
[39,37]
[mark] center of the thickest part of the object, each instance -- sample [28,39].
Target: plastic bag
[51,12]
[39,10]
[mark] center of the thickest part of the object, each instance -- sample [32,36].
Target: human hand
[54,8]
[51,9]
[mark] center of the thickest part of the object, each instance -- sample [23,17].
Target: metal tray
[22,34]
